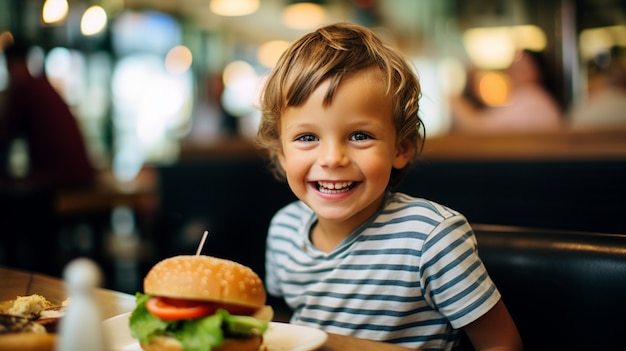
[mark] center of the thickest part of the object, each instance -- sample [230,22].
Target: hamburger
[200,302]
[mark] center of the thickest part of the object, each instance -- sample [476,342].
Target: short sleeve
[456,281]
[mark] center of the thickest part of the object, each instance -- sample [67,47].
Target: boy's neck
[326,235]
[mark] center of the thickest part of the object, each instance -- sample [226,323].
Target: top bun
[205,278]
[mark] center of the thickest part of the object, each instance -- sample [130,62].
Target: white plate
[278,337]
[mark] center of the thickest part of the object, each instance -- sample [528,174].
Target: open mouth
[334,188]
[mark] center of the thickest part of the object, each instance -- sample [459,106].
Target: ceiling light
[94,20]
[304,15]
[178,60]
[529,37]
[489,48]
[234,7]
[495,47]
[593,41]
[270,52]
[493,87]
[54,11]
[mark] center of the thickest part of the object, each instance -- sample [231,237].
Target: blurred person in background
[605,106]
[57,159]
[35,112]
[529,107]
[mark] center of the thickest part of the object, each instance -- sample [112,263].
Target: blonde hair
[333,53]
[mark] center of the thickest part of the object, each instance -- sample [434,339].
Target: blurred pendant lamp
[54,11]
[234,7]
[93,21]
[304,14]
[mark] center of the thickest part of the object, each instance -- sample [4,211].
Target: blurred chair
[564,289]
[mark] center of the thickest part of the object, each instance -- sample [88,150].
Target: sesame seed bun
[205,278]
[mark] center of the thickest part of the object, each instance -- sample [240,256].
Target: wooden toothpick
[206,233]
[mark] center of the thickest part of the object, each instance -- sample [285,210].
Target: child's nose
[333,155]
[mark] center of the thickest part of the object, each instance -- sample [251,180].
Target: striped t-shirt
[410,275]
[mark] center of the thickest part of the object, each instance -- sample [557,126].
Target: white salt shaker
[80,329]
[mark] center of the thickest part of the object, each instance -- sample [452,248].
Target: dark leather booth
[565,290]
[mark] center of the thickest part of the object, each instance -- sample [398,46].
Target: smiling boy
[340,121]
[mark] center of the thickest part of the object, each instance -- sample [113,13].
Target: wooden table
[15,283]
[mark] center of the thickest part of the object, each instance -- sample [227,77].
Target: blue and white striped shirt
[410,275]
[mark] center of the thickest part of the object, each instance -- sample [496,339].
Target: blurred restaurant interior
[165,94]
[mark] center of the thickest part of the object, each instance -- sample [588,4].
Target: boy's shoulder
[398,202]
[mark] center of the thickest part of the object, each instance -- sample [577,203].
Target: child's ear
[404,153]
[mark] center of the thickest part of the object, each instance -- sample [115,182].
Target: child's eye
[358,136]
[306,138]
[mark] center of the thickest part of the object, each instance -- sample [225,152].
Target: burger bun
[164,343]
[206,278]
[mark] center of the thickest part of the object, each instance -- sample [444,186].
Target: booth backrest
[580,195]
[565,290]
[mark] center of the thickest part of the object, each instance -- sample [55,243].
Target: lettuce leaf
[243,325]
[144,325]
[201,334]
[194,334]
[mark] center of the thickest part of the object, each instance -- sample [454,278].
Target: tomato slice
[175,309]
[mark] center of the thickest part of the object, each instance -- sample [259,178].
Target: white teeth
[333,188]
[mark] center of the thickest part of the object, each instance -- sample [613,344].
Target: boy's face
[338,158]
